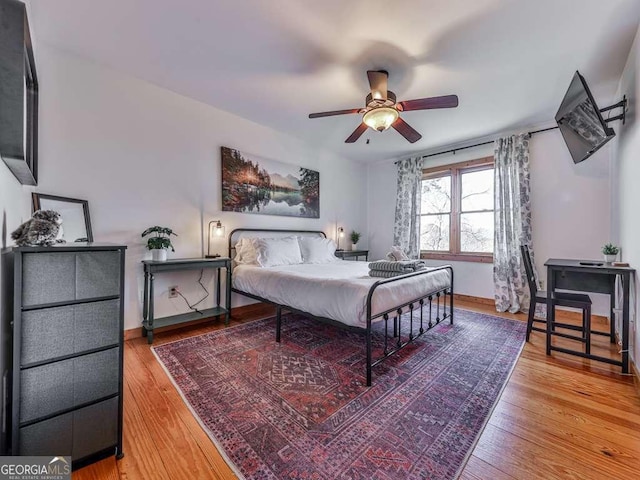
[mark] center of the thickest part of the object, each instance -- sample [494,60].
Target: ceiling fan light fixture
[380,118]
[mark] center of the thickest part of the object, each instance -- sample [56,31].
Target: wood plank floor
[559,417]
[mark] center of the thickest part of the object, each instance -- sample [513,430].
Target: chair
[561,299]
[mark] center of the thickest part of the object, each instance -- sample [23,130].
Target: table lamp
[340,235]
[216,230]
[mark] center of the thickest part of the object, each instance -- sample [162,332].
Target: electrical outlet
[173,291]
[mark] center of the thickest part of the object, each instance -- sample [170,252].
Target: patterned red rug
[301,410]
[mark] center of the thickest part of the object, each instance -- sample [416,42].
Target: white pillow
[246,252]
[317,250]
[271,252]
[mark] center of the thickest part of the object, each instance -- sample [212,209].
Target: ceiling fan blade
[406,130]
[378,84]
[335,112]
[356,133]
[446,101]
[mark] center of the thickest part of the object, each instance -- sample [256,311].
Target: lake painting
[254,185]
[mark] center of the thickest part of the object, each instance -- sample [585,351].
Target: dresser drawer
[97,274]
[58,386]
[60,331]
[51,437]
[78,433]
[63,277]
[48,278]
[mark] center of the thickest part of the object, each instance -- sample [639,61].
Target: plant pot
[354,246]
[159,255]
[610,258]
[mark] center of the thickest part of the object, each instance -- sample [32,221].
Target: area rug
[301,410]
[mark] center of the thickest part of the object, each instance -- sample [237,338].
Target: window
[457,211]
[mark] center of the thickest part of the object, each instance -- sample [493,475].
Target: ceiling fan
[381,110]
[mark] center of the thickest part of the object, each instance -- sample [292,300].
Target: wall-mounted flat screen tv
[580,121]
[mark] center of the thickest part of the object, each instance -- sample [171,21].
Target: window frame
[455,170]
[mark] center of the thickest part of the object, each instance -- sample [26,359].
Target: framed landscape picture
[252,184]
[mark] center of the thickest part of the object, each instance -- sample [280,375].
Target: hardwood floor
[559,417]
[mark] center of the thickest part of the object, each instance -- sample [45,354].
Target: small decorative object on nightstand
[355,238]
[355,254]
[216,230]
[160,242]
[610,252]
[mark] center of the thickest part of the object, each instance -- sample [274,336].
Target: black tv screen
[580,121]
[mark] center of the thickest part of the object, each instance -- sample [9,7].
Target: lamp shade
[380,118]
[340,234]
[216,230]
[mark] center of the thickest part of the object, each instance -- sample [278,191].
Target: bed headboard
[239,233]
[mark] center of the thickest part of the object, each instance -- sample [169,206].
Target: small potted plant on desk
[355,238]
[610,252]
[159,243]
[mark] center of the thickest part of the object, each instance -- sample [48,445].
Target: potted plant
[610,252]
[160,242]
[355,238]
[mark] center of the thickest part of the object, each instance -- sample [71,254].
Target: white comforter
[333,290]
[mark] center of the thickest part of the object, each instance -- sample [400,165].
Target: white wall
[570,204]
[145,156]
[570,209]
[15,203]
[625,170]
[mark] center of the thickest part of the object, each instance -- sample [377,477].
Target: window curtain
[512,222]
[406,230]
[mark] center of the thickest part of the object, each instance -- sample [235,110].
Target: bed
[342,293]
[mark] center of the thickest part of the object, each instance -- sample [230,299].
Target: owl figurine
[43,229]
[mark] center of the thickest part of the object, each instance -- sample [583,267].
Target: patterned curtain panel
[406,231]
[512,222]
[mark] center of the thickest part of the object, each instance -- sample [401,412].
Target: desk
[600,277]
[151,268]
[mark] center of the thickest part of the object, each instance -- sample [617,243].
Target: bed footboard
[423,313]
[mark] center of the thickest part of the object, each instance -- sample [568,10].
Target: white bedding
[336,290]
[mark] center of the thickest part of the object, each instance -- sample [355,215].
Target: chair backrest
[528,267]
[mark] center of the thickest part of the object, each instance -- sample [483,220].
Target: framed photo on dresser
[76,222]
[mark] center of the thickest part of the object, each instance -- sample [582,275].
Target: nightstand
[344,254]
[151,268]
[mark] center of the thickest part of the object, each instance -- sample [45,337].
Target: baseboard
[254,310]
[265,309]
[470,298]
[560,312]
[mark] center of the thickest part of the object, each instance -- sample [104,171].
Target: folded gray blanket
[404,266]
[388,274]
[383,274]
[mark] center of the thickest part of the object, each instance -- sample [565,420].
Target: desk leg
[626,278]
[228,297]
[551,313]
[150,320]
[145,302]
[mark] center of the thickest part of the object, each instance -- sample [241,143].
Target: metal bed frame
[423,303]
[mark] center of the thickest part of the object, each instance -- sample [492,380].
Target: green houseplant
[160,242]
[355,238]
[610,251]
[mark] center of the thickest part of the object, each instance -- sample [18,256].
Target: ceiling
[276,61]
